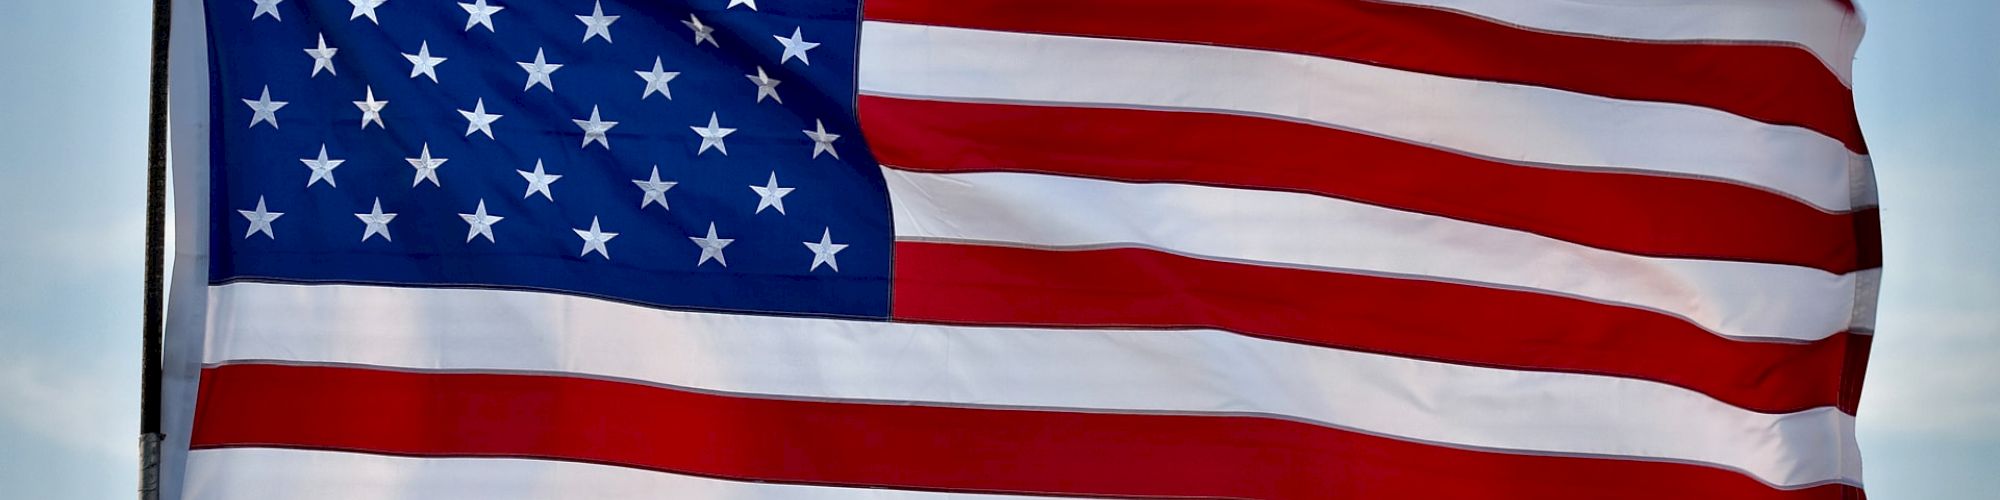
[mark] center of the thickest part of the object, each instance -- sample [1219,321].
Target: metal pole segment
[152,326]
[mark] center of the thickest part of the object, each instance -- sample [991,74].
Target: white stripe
[1507,122]
[266,473]
[1822,27]
[188,112]
[1197,371]
[1733,299]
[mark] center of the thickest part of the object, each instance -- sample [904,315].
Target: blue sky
[71,201]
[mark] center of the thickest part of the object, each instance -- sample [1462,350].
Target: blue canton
[698,154]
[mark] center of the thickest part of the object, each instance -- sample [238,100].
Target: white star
[539,71]
[711,136]
[711,247]
[597,24]
[322,168]
[482,224]
[478,121]
[371,110]
[766,86]
[701,31]
[824,251]
[656,81]
[260,220]
[365,8]
[265,108]
[323,57]
[378,222]
[795,47]
[267,7]
[594,129]
[538,182]
[427,167]
[822,141]
[656,190]
[479,14]
[734,3]
[594,240]
[421,63]
[770,195]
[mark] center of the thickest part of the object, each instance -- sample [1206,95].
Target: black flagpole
[152,324]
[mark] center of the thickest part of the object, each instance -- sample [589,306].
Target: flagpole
[152,324]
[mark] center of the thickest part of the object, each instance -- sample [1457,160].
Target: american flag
[916,249]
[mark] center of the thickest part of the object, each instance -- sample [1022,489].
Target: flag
[1271,249]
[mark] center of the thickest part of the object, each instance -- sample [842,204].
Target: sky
[72,175]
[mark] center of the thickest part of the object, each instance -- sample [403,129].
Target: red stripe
[1772,83]
[1637,214]
[1858,348]
[981,285]
[904,446]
